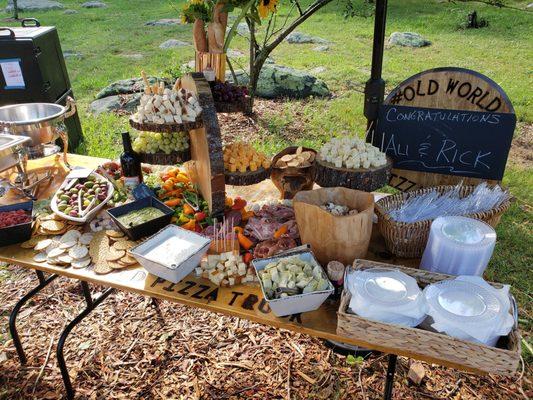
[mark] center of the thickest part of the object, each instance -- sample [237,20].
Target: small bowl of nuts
[293,169]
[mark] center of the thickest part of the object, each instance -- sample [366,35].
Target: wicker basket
[409,240]
[424,345]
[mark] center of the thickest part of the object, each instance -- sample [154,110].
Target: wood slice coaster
[166,159]
[239,106]
[246,178]
[166,128]
[368,180]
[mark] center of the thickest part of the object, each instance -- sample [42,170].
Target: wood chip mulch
[129,349]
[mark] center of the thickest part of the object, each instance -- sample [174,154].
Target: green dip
[138,217]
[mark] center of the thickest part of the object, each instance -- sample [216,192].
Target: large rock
[231,53]
[34,5]
[172,44]
[120,103]
[276,81]
[71,54]
[94,4]
[408,39]
[125,86]
[323,47]
[133,56]
[300,38]
[70,12]
[164,22]
[242,29]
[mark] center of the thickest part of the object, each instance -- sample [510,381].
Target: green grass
[503,51]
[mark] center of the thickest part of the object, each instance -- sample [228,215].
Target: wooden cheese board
[365,179]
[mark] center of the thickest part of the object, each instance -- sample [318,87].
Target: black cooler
[32,70]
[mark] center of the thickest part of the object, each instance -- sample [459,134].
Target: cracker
[123,244]
[30,244]
[68,245]
[78,252]
[56,252]
[102,268]
[48,232]
[65,258]
[40,257]
[71,235]
[128,260]
[78,264]
[53,225]
[114,234]
[117,265]
[114,254]
[86,238]
[43,244]
[98,247]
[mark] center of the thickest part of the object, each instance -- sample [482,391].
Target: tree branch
[317,5]
[297,4]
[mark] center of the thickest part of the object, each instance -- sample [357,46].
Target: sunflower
[266,6]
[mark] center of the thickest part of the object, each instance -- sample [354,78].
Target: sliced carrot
[280,232]
[238,229]
[173,202]
[244,241]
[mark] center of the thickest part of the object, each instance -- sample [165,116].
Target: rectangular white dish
[172,253]
[298,303]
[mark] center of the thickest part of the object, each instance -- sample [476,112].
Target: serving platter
[166,128]
[93,211]
[366,179]
[246,178]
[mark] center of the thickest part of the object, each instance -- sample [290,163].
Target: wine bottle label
[131,182]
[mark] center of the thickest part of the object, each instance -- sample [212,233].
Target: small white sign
[12,74]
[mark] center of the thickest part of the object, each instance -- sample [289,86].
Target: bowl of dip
[172,253]
[142,217]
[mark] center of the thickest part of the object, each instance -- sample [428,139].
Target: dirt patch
[127,348]
[521,153]
[238,126]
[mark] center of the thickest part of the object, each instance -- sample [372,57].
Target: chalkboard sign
[451,142]
[443,126]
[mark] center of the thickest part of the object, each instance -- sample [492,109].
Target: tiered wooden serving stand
[204,158]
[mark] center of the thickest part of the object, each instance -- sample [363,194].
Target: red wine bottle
[130,162]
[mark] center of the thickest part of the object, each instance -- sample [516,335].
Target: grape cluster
[228,93]
[154,142]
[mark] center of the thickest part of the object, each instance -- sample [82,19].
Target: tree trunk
[15,9]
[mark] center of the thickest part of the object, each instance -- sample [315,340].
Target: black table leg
[91,305]
[43,282]
[389,381]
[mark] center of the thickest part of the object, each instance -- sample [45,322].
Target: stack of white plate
[469,308]
[386,295]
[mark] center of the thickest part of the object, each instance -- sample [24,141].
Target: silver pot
[41,122]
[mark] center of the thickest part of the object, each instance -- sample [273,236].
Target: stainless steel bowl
[41,122]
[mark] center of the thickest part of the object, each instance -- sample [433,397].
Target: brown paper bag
[341,238]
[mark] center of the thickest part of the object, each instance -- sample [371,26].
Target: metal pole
[375,86]
[389,381]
